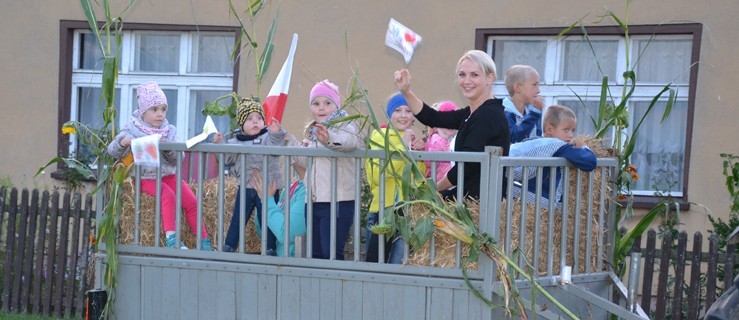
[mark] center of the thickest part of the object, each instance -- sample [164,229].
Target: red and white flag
[274,104]
[402,39]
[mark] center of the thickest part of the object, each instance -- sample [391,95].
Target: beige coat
[344,138]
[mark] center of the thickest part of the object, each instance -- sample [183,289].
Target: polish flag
[274,104]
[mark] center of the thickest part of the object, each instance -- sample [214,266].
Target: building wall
[338,36]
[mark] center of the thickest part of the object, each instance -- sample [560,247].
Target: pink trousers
[169,202]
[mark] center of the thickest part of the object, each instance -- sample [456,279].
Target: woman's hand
[256,183]
[403,80]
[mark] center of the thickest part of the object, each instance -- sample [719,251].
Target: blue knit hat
[395,102]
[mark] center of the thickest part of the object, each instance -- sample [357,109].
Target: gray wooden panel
[246,296]
[128,293]
[290,297]
[414,302]
[441,304]
[155,304]
[267,297]
[392,301]
[225,295]
[351,299]
[372,300]
[189,292]
[309,292]
[207,288]
[328,298]
[461,304]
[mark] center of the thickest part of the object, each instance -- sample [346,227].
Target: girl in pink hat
[440,139]
[151,118]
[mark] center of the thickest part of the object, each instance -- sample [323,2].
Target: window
[572,68]
[192,64]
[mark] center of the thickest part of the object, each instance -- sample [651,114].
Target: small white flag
[402,39]
[146,150]
[209,129]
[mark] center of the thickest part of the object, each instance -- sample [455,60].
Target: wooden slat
[695,272]
[50,255]
[711,270]
[38,276]
[19,253]
[646,296]
[85,258]
[27,273]
[664,265]
[3,200]
[10,249]
[61,259]
[677,293]
[75,241]
[729,267]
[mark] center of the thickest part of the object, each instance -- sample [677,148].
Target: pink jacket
[436,142]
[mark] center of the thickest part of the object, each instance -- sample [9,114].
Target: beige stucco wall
[29,54]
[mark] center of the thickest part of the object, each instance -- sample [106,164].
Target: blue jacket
[582,158]
[522,127]
[276,219]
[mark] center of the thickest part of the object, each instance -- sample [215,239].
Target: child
[252,132]
[151,118]
[440,139]
[276,215]
[401,119]
[559,128]
[325,106]
[523,106]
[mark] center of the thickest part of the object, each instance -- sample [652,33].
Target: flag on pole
[274,104]
[402,39]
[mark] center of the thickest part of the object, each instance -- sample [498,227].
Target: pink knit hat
[150,95]
[326,89]
[447,106]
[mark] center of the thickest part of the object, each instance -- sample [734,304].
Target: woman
[482,123]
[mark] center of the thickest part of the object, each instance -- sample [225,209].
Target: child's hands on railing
[218,137]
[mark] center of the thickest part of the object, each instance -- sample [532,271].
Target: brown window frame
[66,45]
[693,29]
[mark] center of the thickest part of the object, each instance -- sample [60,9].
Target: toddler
[252,132]
[402,120]
[440,139]
[523,107]
[559,128]
[325,106]
[151,118]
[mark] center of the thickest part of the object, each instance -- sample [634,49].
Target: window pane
[659,150]
[511,52]
[171,95]
[197,119]
[157,52]
[90,113]
[584,111]
[90,55]
[664,61]
[580,64]
[212,53]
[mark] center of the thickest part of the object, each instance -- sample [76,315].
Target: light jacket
[276,218]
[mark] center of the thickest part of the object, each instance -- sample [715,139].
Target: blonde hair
[518,74]
[556,113]
[480,59]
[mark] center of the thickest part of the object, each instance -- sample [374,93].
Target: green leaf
[266,58]
[424,229]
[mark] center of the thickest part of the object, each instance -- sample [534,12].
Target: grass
[18,316]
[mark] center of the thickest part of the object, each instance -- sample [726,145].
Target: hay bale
[446,246]
[210,216]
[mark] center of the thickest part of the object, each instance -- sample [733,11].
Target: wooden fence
[46,252]
[699,285]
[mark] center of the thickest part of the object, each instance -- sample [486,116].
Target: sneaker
[227,248]
[205,245]
[271,252]
[170,242]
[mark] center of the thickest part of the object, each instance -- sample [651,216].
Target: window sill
[645,202]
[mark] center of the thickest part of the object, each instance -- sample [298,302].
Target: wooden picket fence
[46,251]
[697,270]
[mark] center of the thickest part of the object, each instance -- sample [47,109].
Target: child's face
[155,116]
[253,124]
[530,88]
[565,131]
[402,118]
[321,108]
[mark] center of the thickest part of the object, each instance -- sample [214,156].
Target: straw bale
[446,246]
[210,216]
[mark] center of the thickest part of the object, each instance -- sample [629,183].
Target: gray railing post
[633,286]
[491,179]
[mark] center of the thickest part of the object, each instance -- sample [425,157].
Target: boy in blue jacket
[559,129]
